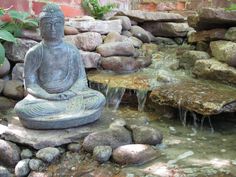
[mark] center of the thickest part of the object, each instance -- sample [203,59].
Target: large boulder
[116,48]
[167,29]
[88,41]
[16,51]
[90,59]
[224,51]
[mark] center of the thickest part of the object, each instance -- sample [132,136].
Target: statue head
[51,23]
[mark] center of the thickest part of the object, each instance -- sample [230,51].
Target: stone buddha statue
[55,80]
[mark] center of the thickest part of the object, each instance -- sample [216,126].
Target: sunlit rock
[113,37]
[88,41]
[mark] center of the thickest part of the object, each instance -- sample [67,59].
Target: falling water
[114,96]
[142,96]
[211,126]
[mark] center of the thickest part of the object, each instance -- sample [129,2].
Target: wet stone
[22,168]
[102,153]
[74,147]
[48,154]
[26,154]
[35,164]
[4,172]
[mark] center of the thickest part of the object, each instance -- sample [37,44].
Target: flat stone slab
[39,139]
[206,98]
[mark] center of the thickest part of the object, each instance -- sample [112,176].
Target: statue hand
[62,96]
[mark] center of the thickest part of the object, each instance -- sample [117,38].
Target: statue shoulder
[34,52]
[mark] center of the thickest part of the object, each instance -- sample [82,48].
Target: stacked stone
[216,34]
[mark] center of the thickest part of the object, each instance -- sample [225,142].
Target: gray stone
[215,70]
[116,48]
[134,154]
[90,59]
[48,154]
[140,33]
[22,168]
[4,172]
[188,58]
[88,41]
[102,27]
[14,89]
[146,135]
[26,154]
[2,84]
[134,41]
[231,34]
[125,21]
[4,68]
[126,33]
[167,29]
[164,40]
[17,72]
[102,153]
[16,51]
[37,174]
[141,16]
[6,103]
[224,51]
[9,153]
[36,164]
[31,34]
[113,37]
[74,147]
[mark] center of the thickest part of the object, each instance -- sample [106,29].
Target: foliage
[231,7]
[11,28]
[94,8]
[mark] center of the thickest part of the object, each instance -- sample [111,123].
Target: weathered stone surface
[113,37]
[69,30]
[135,41]
[26,154]
[9,153]
[4,68]
[4,172]
[143,62]
[17,72]
[215,70]
[140,33]
[2,85]
[48,154]
[146,135]
[207,35]
[90,59]
[102,153]
[142,16]
[224,51]
[74,147]
[125,22]
[164,40]
[22,168]
[116,48]
[16,51]
[102,27]
[35,164]
[188,58]
[71,39]
[114,137]
[14,89]
[231,34]
[88,41]
[126,33]
[167,29]
[6,103]
[206,98]
[31,34]
[134,154]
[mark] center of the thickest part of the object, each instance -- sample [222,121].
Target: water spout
[142,97]
[114,96]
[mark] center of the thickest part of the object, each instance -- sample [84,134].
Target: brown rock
[141,34]
[6,103]
[88,41]
[113,37]
[69,30]
[14,89]
[31,34]
[125,21]
[90,59]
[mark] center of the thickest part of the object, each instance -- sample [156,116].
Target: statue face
[52,28]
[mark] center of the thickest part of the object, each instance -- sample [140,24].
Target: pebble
[26,154]
[48,154]
[74,147]
[22,168]
[4,172]
[102,153]
[35,164]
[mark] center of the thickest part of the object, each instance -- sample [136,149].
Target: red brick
[63,1]
[148,6]
[37,7]
[21,5]
[70,11]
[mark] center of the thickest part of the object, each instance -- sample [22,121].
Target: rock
[224,51]
[71,39]
[90,59]
[26,154]
[9,153]
[167,29]
[2,85]
[4,68]
[140,33]
[141,16]
[74,147]
[4,172]
[88,41]
[37,174]
[48,154]
[205,98]
[143,62]
[17,72]
[166,6]
[125,22]
[126,33]
[202,46]
[231,34]
[179,40]
[35,164]
[82,18]
[113,37]
[16,51]
[68,30]
[164,40]
[215,70]
[6,103]
[22,168]
[31,34]
[137,43]
[207,35]
[102,27]
[146,135]
[134,154]
[188,58]
[102,153]
[116,48]
[114,137]
[14,89]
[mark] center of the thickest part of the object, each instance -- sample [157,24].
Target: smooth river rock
[90,59]
[88,41]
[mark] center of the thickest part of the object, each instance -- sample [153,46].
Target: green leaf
[5,35]
[31,22]
[18,15]
[2,54]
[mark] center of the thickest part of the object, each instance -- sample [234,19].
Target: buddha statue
[58,95]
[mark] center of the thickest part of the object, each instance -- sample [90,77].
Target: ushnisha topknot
[51,10]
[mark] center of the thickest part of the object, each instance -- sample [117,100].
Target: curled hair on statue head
[51,10]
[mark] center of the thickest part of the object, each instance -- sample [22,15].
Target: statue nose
[53,28]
